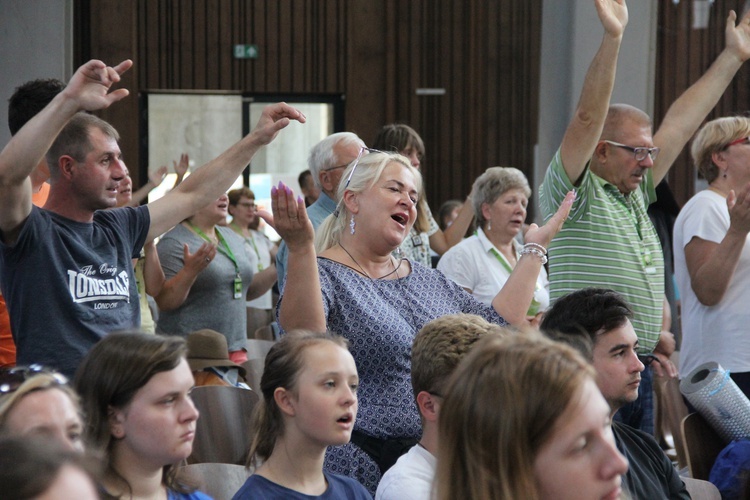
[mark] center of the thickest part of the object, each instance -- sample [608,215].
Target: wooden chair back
[702,445]
[701,490]
[219,481]
[224,429]
[257,348]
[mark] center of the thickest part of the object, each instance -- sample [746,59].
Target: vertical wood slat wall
[376,52]
[683,55]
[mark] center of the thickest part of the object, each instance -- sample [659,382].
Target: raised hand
[543,235]
[181,168]
[274,118]
[290,218]
[739,210]
[157,176]
[89,87]
[200,259]
[737,37]
[613,14]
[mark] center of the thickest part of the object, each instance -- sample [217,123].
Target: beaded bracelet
[534,251]
[537,246]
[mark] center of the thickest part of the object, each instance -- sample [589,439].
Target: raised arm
[302,304]
[687,113]
[176,289]
[711,265]
[155,179]
[442,241]
[514,298]
[585,128]
[88,90]
[212,179]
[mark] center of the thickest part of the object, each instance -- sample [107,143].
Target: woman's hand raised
[290,218]
[543,235]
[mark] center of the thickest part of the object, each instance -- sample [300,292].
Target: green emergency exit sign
[245,51]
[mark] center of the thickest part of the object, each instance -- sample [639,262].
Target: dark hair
[110,375]
[282,366]
[29,99]
[591,310]
[302,177]
[74,140]
[29,465]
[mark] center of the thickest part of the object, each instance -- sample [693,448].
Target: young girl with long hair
[135,389]
[309,402]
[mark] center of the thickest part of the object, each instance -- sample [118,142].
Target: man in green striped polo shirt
[610,157]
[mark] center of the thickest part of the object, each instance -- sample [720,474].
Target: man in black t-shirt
[65,269]
[596,321]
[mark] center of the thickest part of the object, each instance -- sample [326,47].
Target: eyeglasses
[741,140]
[354,168]
[12,378]
[356,162]
[335,168]
[647,359]
[640,153]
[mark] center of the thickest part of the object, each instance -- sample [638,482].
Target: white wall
[35,42]
[571,34]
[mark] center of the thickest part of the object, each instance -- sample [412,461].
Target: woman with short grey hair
[482,263]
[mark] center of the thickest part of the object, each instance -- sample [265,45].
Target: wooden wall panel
[485,53]
[683,55]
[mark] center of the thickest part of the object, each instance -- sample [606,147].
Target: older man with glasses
[610,157]
[327,161]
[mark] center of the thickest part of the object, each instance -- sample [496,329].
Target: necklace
[362,270]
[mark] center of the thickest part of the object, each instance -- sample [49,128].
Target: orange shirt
[7,347]
[40,198]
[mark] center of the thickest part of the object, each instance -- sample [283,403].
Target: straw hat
[207,348]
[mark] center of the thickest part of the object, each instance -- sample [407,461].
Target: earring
[489,225]
[352,224]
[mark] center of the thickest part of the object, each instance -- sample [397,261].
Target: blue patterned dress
[380,319]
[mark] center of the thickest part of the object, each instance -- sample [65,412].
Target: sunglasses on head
[12,378]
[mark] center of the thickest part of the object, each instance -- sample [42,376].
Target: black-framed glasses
[648,359]
[12,378]
[741,140]
[640,152]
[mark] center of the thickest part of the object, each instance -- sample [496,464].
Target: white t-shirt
[410,477]
[260,246]
[473,265]
[716,333]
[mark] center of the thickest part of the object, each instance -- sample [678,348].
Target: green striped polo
[608,241]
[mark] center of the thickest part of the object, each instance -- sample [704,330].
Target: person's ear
[66,165]
[428,406]
[116,420]
[486,211]
[601,152]
[284,400]
[719,159]
[351,200]
[326,182]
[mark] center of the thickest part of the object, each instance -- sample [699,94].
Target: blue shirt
[339,487]
[317,213]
